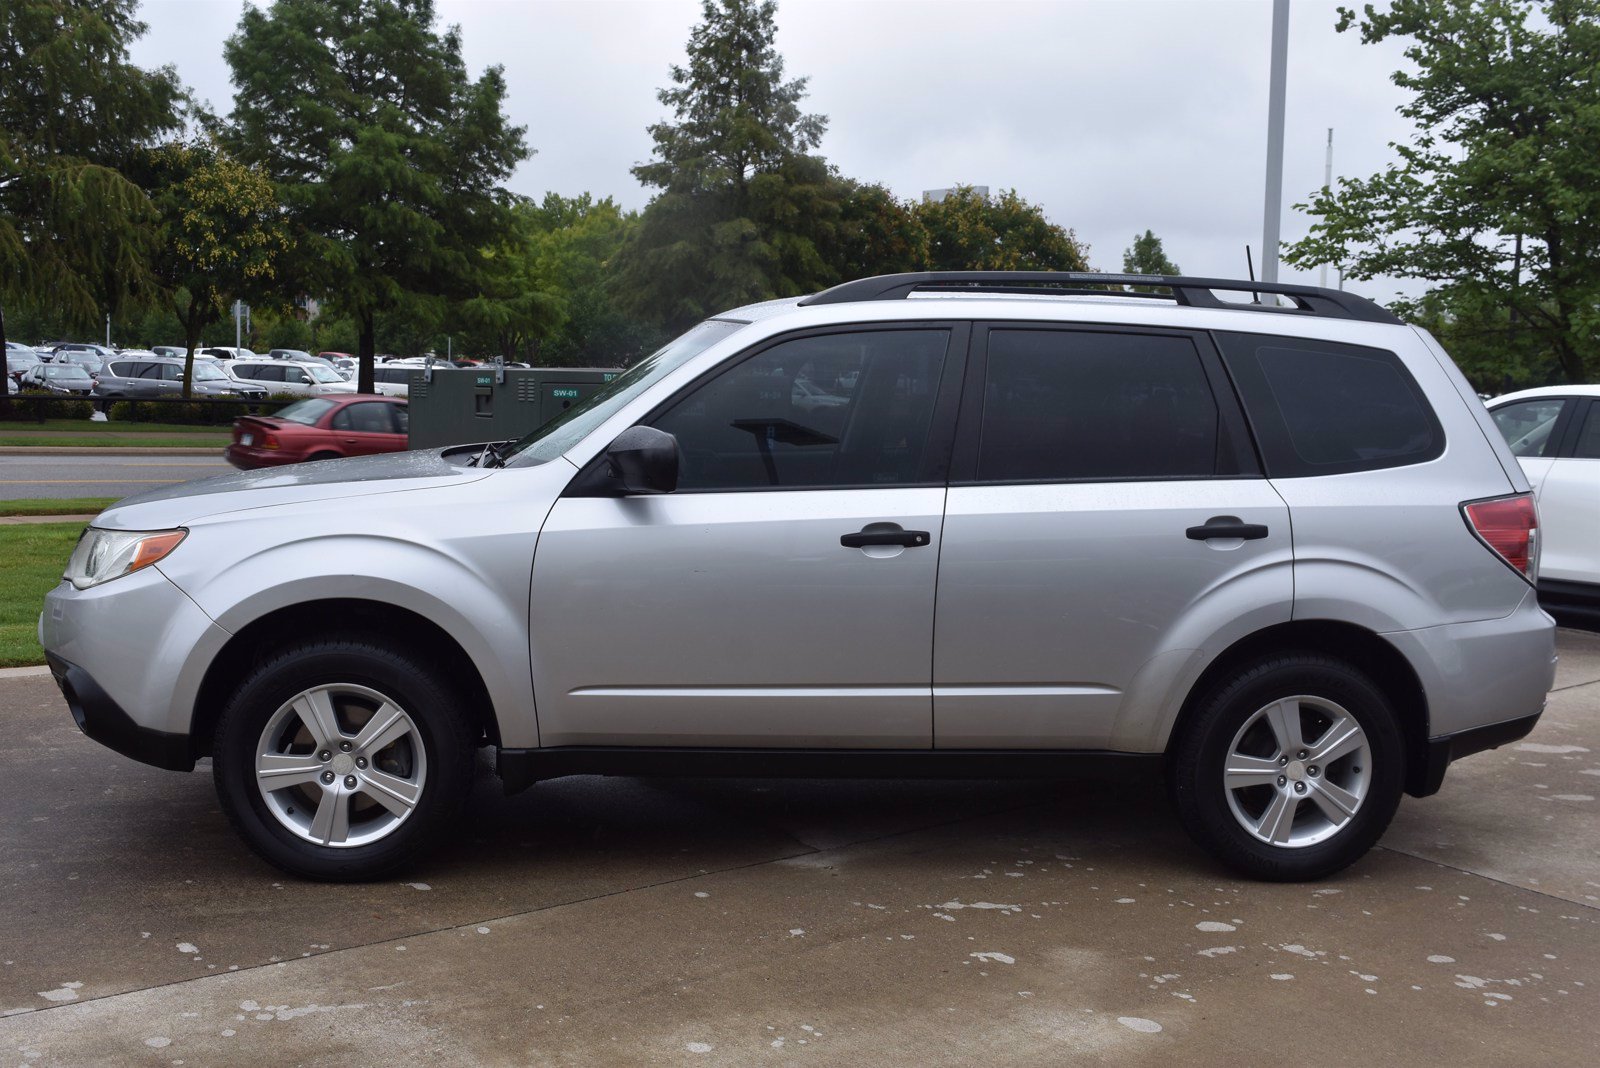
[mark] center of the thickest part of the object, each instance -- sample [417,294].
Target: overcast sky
[1114,115]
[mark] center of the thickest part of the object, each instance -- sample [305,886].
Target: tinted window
[1062,405]
[1527,425]
[1588,447]
[122,370]
[850,409]
[1320,408]
[402,418]
[370,417]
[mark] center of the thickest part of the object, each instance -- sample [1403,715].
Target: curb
[23,672]
[108,450]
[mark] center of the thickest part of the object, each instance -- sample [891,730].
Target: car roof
[1591,389]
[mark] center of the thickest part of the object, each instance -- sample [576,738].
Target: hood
[173,506]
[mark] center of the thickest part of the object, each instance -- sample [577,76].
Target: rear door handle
[1227,526]
[908,538]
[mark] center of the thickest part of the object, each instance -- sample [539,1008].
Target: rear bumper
[1485,683]
[248,458]
[1443,751]
[99,717]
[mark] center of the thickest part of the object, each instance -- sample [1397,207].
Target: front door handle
[1226,526]
[908,538]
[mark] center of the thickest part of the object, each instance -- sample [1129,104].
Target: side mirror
[644,460]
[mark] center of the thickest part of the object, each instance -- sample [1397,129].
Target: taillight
[269,441]
[1510,527]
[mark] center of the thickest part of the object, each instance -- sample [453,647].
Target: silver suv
[951,524]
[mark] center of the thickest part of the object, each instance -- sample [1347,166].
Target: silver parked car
[308,378]
[1281,552]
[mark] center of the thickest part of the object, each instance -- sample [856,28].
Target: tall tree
[1146,256]
[744,209]
[387,158]
[970,231]
[221,235]
[1496,198]
[73,110]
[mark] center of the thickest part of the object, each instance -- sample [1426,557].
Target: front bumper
[130,656]
[102,719]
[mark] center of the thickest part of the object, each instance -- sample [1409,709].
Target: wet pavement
[631,921]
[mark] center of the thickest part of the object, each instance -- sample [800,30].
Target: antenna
[1250,268]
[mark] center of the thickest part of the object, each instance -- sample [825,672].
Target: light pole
[1327,183]
[1275,94]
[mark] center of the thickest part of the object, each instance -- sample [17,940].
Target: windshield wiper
[490,456]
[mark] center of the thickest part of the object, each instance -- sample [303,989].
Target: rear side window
[1069,405]
[1529,425]
[1321,408]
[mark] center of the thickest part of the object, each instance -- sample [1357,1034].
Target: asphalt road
[115,475]
[694,922]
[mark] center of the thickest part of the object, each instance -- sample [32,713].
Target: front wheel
[342,760]
[1290,769]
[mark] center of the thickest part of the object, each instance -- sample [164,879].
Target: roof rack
[1188,292]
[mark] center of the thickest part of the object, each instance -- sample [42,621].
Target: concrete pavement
[734,922]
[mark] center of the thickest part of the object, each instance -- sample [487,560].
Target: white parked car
[312,378]
[1555,433]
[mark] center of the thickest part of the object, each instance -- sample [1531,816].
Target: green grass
[148,441]
[56,505]
[81,426]
[32,558]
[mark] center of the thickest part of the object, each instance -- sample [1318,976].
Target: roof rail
[1189,292]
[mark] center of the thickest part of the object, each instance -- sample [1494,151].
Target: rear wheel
[321,456]
[1291,768]
[343,759]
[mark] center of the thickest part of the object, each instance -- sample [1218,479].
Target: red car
[320,428]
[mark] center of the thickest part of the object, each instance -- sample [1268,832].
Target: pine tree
[745,209]
[1146,256]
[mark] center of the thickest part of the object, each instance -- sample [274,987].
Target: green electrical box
[460,406]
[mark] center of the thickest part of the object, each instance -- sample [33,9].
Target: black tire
[1203,742]
[314,457]
[442,723]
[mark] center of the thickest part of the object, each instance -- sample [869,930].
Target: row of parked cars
[88,370]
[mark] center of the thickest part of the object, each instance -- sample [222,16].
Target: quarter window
[1064,405]
[1320,408]
[1589,438]
[846,409]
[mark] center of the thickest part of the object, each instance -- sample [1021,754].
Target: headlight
[103,555]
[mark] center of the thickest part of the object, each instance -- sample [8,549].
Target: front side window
[1527,425]
[1323,408]
[1075,405]
[845,409]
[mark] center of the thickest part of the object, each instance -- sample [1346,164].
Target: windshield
[306,411]
[204,372]
[321,372]
[574,424]
[64,371]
